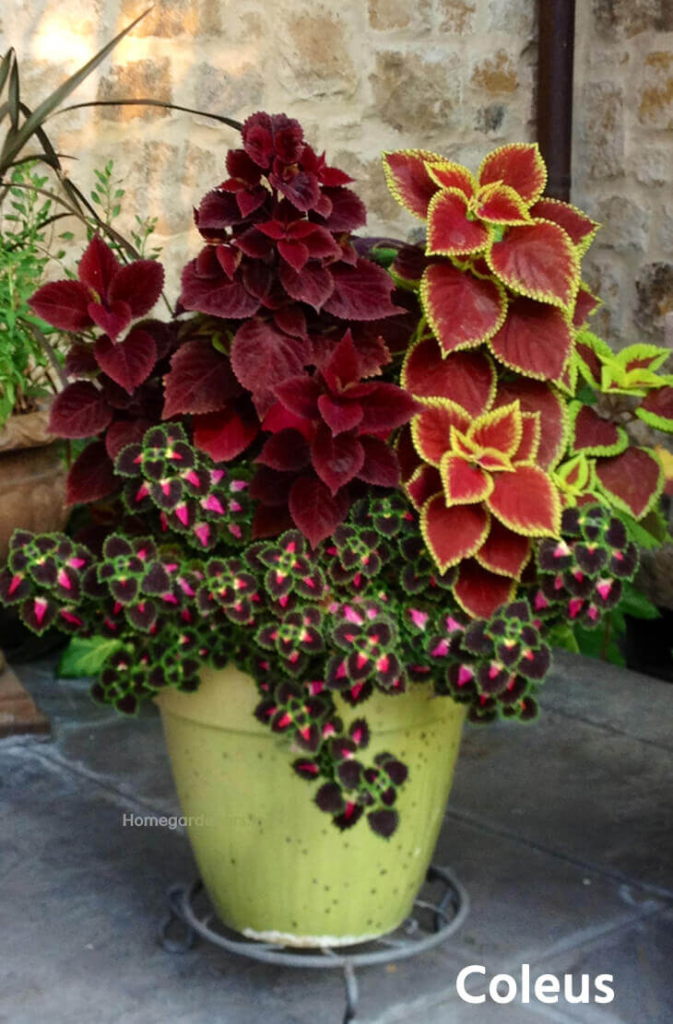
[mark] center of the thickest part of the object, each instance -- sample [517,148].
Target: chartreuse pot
[274,865]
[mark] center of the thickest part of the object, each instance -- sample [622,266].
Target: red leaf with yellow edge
[538,260]
[479,592]
[464,483]
[495,461]
[431,428]
[449,175]
[527,502]
[501,429]
[533,396]
[574,222]
[504,552]
[408,179]
[452,534]
[519,165]
[500,204]
[464,377]
[535,340]
[531,435]
[462,310]
[424,482]
[632,480]
[594,435]
[657,409]
[450,233]
[585,304]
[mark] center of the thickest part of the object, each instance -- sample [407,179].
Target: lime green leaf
[86,656]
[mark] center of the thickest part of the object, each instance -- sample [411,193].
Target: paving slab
[595,692]
[596,795]
[561,832]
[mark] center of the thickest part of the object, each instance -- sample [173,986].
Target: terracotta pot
[32,479]
[274,865]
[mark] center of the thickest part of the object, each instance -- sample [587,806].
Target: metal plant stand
[431,922]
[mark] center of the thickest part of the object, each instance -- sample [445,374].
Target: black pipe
[556,46]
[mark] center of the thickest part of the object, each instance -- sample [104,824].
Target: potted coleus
[346,497]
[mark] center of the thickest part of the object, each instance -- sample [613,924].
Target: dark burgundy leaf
[262,357]
[286,451]
[339,414]
[291,319]
[218,210]
[348,211]
[255,243]
[80,410]
[337,460]
[128,362]
[386,408]
[299,395]
[301,188]
[63,304]
[91,476]
[138,284]
[315,511]
[124,432]
[313,285]
[80,361]
[113,318]
[269,521]
[380,466]
[271,487]
[225,434]
[98,266]
[361,292]
[201,380]
[215,294]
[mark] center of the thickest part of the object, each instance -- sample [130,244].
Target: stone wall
[623,159]
[455,76]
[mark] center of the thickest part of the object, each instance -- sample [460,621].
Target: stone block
[171,18]
[385,15]
[599,132]
[651,165]
[417,93]
[655,96]
[148,78]
[627,18]
[496,75]
[654,288]
[625,224]
[516,17]
[232,93]
[456,17]
[489,119]
[314,56]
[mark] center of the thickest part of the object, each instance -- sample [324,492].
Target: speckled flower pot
[273,864]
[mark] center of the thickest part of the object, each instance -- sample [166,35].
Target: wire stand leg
[352,993]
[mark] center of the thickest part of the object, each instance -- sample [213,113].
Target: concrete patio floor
[561,831]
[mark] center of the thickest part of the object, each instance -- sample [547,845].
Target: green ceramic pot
[273,864]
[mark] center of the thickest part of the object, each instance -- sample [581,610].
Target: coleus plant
[346,477]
